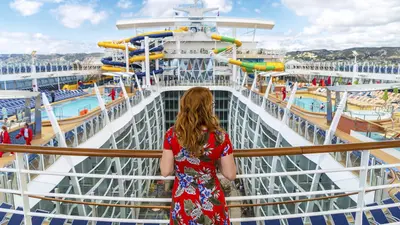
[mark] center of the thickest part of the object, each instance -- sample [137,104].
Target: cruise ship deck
[306,153]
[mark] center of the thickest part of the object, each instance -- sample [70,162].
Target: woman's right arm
[228,167]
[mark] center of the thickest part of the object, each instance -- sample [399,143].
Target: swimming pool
[73,107]
[311,104]
[368,115]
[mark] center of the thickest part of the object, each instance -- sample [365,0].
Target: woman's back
[197,193]
[193,148]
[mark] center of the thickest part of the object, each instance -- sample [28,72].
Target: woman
[27,133]
[112,94]
[194,147]
[5,138]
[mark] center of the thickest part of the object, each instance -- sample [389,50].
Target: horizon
[54,26]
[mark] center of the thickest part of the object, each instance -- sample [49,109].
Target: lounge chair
[395,211]
[57,221]
[339,219]
[272,222]
[38,220]
[3,214]
[16,219]
[318,220]
[295,221]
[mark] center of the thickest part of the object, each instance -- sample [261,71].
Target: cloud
[163,8]
[244,9]
[275,4]
[20,42]
[124,4]
[257,11]
[26,7]
[74,15]
[30,7]
[346,23]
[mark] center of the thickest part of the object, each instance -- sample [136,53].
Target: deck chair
[16,219]
[395,211]
[318,220]
[397,195]
[249,223]
[364,218]
[103,223]
[127,224]
[57,221]
[38,220]
[378,215]
[80,222]
[339,219]
[3,214]
[272,222]
[295,221]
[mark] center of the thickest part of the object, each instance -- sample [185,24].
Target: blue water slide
[108,61]
[143,74]
[135,40]
[141,51]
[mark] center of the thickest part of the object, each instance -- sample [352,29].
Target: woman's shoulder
[220,135]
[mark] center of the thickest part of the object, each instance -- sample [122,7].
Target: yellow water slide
[246,66]
[112,66]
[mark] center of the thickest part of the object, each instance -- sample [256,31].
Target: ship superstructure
[150,72]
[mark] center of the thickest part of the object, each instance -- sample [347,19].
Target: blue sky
[63,26]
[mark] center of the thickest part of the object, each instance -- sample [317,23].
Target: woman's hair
[3,127]
[195,114]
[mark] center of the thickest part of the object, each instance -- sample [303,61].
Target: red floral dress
[197,196]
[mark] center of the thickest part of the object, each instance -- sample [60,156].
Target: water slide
[135,53]
[246,66]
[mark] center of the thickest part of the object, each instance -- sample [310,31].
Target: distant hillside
[26,58]
[383,54]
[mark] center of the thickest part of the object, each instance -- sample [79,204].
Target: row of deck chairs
[17,219]
[378,216]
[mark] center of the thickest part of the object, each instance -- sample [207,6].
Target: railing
[204,51]
[346,67]
[266,205]
[302,126]
[22,69]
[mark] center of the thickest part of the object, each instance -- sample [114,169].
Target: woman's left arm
[167,163]
[167,159]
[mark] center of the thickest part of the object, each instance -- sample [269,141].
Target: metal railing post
[22,186]
[94,213]
[2,186]
[332,200]
[10,198]
[58,206]
[362,185]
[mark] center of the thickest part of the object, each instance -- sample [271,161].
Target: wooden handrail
[237,153]
[229,206]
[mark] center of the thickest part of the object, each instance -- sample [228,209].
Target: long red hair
[196,114]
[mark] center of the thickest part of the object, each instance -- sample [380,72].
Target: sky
[70,26]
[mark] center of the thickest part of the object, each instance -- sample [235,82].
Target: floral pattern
[197,195]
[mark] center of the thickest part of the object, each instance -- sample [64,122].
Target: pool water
[369,115]
[73,107]
[311,104]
